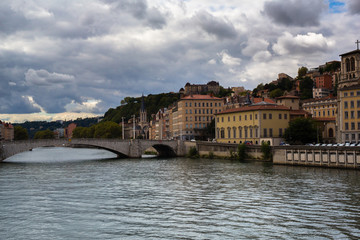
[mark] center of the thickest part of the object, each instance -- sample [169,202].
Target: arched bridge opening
[119,154]
[164,150]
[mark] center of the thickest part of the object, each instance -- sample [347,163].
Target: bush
[193,153]
[242,151]
[266,150]
[211,155]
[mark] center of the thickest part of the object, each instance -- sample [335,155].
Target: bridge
[123,148]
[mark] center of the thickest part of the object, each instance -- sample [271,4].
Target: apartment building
[254,124]
[192,114]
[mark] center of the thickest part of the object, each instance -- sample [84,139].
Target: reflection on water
[173,199]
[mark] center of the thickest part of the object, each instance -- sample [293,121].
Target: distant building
[6,131]
[69,130]
[210,87]
[321,92]
[292,102]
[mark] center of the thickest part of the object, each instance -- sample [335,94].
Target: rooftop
[254,108]
[200,97]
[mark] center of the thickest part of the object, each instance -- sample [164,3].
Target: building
[348,119]
[324,111]
[69,130]
[321,92]
[324,81]
[254,124]
[210,87]
[6,131]
[292,102]
[192,114]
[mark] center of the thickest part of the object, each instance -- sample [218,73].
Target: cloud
[215,26]
[302,44]
[301,13]
[354,6]
[44,78]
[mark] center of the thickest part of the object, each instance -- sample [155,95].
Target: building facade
[210,87]
[6,131]
[192,114]
[348,119]
[253,124]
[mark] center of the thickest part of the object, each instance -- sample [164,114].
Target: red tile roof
[288,97]
[268,100]
[324,119]
[254,108]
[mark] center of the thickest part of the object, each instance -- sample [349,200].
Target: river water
[61,193]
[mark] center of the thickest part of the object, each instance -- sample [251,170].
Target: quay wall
[337,157]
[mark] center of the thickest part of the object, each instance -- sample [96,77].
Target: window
[187,125]
[270,116]
[250,117]
[353,137]
[229,132]
[285,116]
[251,132]
[352,105]
[280,132]
[207,111]
[186,119]
[189,104]
[215,104]
[264,116]
[351,93]
[347,137]
[222,133]
[240,132]
[217,119]
[234,118]
[186,111]
[280,115]
[245,117]
[190,125]
[203,104]
[222,119]
[228,119]
[210,104]
[211,111]
[352,114]
[256,116]
[186,104]
[265,132]
[346,126]
[346,114]
[246,132]
[234,132]
[358,125]
[345,94]
[270,132]
[358,114]
[239,118]
[195,104]
[345,104]
[352,126]
[190,111]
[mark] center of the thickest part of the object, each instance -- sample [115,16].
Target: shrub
[266,150]
[193,153]
[242,151]
[211,155]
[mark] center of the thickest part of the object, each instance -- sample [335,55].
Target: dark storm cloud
[10,21]
[215,26]
[300,13]
[354,6]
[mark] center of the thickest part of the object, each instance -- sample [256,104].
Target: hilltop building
[348,119]
[210,87]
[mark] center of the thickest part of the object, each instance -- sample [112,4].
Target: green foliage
[193,153]
[211,155]
[276,93]
[306,86]
[301,131]
[20,133]
[131,106]
[45,134]
[332,67]
[266,150]
[107,130]
[84,132]
[302,72]
[242,151]
[223,92]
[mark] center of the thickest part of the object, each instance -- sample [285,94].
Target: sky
[68,59]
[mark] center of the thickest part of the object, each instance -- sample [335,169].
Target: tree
[306,86]
[301,131]
[45,134]
[20,133]
[107,130]
[276,93]
[302,72]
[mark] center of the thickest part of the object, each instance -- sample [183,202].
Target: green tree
[266,150]
[302,72]
[241,151]
[306,86]
[45,134]
[107,130]
[83,132]
[276,93]
[301,131]
[20,133]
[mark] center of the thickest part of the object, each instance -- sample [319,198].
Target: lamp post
[134,125]
[123,129]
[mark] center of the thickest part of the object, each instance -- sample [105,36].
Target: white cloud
[44,78]
[229,60]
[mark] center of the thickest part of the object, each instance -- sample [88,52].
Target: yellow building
[292,102]
[192,114]
[324,111]
[253,123]
[348,119]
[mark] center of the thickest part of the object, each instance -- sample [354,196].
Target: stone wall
[339,157]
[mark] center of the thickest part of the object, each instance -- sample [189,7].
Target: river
[65,193]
